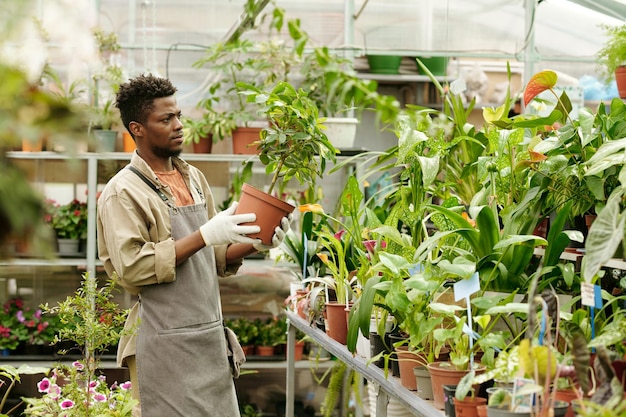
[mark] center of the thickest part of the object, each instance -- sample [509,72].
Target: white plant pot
[341,131]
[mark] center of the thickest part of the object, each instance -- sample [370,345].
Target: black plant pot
[448,400]
[376,347]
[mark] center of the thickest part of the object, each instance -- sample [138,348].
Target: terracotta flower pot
[406,362]
[468,407]
[567,395]
[336,324]
[269,211]
[444,373]
[205,145]
[243,137]
[265,350]
[298,350]
[620,80]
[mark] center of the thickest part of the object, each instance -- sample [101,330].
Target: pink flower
[370,245]
[126,385]
[54,392]
[44,385]
[100,397]
[79,366]
[65,404]
[339,234]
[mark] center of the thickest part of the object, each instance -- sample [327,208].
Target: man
[159,232]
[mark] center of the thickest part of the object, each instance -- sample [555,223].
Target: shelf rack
[386,387]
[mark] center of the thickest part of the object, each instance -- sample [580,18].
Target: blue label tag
[597,296]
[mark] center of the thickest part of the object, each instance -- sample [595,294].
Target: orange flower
[537,157]
[323,257]
[314,208]
[466,217]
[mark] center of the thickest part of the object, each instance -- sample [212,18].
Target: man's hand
[226,228]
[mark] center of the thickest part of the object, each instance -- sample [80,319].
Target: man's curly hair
[135,99]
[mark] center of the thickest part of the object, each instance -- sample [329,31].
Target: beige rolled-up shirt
[134,234]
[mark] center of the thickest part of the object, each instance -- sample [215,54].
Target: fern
[335,385]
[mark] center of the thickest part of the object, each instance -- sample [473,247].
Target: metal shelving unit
[387,387]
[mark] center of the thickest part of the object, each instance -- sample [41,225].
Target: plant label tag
[416,269]
[597,292]
[466,287]
[591,295]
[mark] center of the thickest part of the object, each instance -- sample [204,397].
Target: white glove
[226,228]
[279,234]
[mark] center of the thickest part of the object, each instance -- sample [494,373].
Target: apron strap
[157,190]
[150,184]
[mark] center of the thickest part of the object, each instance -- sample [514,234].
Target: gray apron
[182,363]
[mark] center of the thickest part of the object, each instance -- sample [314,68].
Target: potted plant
[13,331]
[105,84]
[333,84]
[196,132]
[612,56]
[293,146]
[260,64]
[247,332]
[94,322]
[69,223]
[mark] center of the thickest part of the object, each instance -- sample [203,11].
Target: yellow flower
[467,217]
[314,208]
[323,257]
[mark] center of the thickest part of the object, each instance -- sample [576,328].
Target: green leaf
[605,235]
[446,309]
[517,239]
[508,308]
[465,385]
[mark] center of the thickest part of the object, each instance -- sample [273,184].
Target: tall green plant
[294,145]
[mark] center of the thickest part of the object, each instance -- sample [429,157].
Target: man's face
[163,130]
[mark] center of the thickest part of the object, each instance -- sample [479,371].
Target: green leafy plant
[72,391]
[294,145]
[13,331]
[91,318]
[271,331]
[195,130]
[613,53]
[68,220]
[11,376]
[247,330]
[105,82]
[94,322]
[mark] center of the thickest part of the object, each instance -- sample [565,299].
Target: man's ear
[136,129]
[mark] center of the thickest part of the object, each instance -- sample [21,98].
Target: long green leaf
[605,235]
